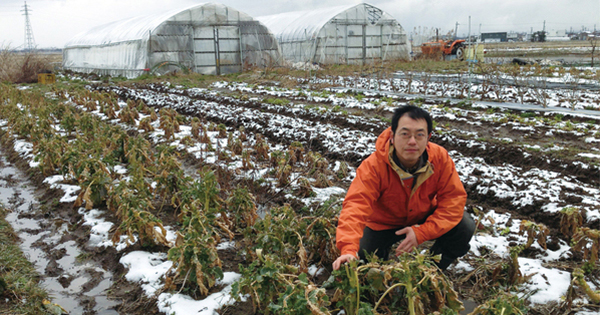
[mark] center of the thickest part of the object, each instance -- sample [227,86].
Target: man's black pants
[453,244]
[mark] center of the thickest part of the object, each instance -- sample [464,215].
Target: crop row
[335,142]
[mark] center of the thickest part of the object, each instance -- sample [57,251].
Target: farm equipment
[452,49]
[455,48]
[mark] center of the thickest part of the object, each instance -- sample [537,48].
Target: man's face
[410,140]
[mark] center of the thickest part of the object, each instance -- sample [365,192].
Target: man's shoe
[445,262]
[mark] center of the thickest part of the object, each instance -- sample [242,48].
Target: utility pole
[456,30]
[469,61]
[29,41]
[544,28]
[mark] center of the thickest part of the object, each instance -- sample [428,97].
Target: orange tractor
[455,48]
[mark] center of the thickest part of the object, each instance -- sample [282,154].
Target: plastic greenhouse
[207,38]
[356,34]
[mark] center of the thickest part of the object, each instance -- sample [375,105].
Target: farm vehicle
[451,49]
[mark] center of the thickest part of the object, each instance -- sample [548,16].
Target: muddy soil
[77,277]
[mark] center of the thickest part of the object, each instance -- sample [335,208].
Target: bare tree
[445,85]
[426,79]
[409,78]
[573,93]
[539,90]
[519,75]
[593,43]
[494,75]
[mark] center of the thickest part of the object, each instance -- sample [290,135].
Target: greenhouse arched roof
[134,28]
[291,26]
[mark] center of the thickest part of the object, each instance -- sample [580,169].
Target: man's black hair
[413,112]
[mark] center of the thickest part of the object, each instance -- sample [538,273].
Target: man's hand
[342,259]
[409,243]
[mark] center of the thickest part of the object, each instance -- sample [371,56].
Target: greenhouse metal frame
[206,38]
[357,34]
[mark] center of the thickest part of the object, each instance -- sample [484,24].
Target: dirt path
[50,238]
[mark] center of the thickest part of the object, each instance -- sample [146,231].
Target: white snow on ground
[590,155]
[180,304]
[549,284]
[591,139]
[99,232]
[146,269]
[323,194]
[24,149]
[71,191]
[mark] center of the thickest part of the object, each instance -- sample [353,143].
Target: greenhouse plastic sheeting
[355,34]
[206,38]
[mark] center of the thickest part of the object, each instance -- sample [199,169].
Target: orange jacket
[380,199]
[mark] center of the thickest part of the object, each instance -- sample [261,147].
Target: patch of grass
[277,101]
[417,101]
[528,114]
[20,292]
[428,65]
[387,120]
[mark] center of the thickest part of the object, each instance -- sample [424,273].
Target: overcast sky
[54,22]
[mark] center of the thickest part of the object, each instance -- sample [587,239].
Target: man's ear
[429,136]
[391,137]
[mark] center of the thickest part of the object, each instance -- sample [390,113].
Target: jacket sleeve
[451,200]
[357,207]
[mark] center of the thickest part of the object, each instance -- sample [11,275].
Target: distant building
[557,35]
[512,37]
[494,37]
[585,35]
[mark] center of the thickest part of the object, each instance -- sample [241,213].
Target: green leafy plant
[578,280]
[95,181]
[503,304]
[279,233]
[133,209]
[274,286]
[277,101]
[195,255]
[588,241]
[571,219]
[242,204]
[534,232]
[413,285]
[301,297]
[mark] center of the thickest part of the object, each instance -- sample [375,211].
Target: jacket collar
[423,172]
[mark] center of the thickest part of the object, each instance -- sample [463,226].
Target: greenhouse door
[363,43]
[355,48]
[217,49]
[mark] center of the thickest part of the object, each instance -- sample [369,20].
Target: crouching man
[408,190]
